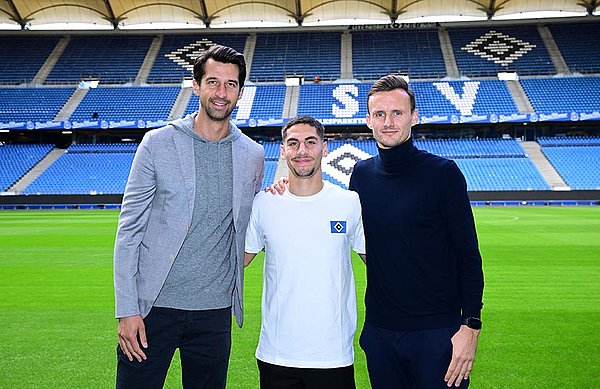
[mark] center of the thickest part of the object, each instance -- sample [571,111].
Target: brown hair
[304,120]
[390,83]
[221,54]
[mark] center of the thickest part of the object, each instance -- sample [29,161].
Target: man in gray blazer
[178,261]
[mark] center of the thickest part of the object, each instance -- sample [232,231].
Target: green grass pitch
[541,315]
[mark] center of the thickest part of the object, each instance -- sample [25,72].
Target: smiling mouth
[219,103]
[302,160]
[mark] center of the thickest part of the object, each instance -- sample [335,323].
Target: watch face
[473,322]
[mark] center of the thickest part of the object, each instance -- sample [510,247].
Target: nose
[302,148]
[388,122]
[221,90]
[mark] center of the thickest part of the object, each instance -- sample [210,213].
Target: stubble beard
[214,116]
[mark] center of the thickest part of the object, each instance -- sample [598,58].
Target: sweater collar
[397,156]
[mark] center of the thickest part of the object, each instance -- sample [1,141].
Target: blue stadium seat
[485,51]
[346,103]
[127,103]
[581,53]
[18,159]
[258,102]
[379,53]
[488,164]
[35,104]
[307,54]
[21,57]
[111,59]
[91,169]
[270,168]
[177,53]
[575,159]
[547,95]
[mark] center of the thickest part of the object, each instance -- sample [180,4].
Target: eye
[293,144]
[397,113]
[378,114]
[232,84]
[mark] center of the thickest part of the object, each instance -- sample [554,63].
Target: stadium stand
[86,169]
[346,103]
[579,49]
[333,101]
[272,150]
[258,102]
[488,164]
[18,159]
[413,52]
[22,57]
[501,174]
[568,141]
[110,59]
[127,103]
[482,51]
[175,59]
[464,98]
[465,148]
[575,159]
[270,168]
[32,104]
[549,95]
[307,54]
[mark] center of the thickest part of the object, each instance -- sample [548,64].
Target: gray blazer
[157,212]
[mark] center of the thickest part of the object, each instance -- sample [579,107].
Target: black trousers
[204,342]
[408,359]
[283,377]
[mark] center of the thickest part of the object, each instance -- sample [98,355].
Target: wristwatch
[472,322]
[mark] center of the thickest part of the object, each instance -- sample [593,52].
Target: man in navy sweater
[424,273]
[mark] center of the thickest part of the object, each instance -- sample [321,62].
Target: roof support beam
[491,8]
[590,5]
[111,15]
[16,15]
[299,17]
[206,19]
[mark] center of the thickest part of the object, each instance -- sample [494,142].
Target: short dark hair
[304,120]
[390,83]
[221,54]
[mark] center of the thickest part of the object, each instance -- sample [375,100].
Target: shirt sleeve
[254,235]
[463,237]
[358,239]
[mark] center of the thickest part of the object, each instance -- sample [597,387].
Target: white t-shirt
[309,297]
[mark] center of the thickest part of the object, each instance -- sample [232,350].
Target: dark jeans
[283,377]
[204,342]
[408,359]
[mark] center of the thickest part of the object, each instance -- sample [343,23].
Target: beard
[304,172]
[217,116]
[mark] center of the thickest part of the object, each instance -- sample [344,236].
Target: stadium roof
[158,14]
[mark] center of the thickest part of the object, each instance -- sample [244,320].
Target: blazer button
[172,257]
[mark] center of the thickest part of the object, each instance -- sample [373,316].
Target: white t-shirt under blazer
[309,297]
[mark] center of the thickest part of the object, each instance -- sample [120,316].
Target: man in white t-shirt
[309,298]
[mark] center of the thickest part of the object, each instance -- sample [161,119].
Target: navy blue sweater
[423,261]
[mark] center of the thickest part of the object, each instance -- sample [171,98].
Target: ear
[196,87]
[368,118]
[281,152]
[240,94]
[415,117]
[325,151]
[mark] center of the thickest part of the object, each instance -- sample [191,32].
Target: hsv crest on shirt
[338,226]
